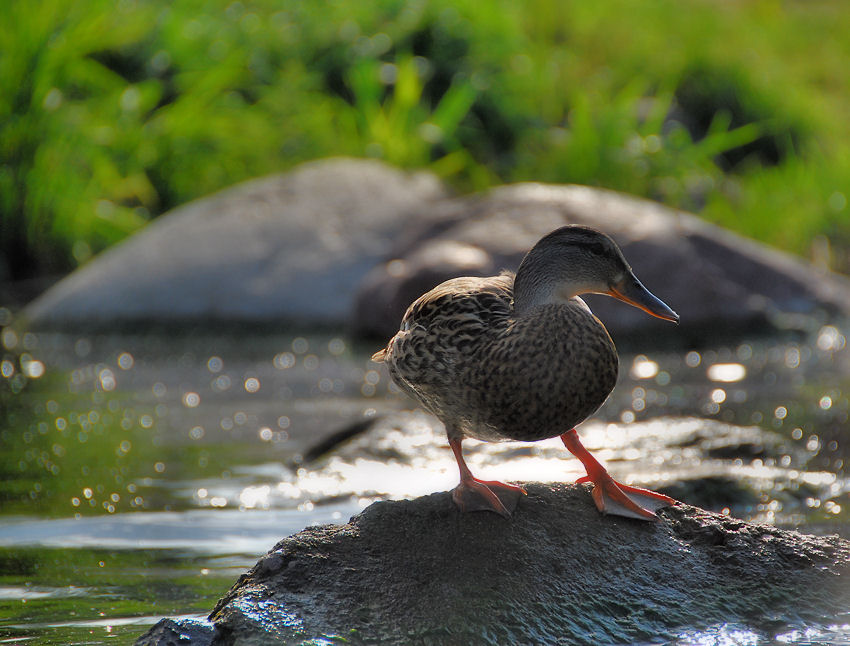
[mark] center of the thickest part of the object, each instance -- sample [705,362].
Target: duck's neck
[539,282]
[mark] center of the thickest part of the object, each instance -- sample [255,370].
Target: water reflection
[742,470]
[726,372]
[643,368]
[97,429]
[127,418]
[738,635]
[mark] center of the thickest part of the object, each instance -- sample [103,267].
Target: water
[142,474]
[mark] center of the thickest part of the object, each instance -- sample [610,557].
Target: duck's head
[577,260]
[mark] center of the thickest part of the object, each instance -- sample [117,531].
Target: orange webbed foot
[612,497]
[473,494]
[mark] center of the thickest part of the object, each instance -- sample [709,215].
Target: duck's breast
[544,374]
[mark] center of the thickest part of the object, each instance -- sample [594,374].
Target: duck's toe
[614,498]
[483,495]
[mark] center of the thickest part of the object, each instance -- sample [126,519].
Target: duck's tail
[380,356]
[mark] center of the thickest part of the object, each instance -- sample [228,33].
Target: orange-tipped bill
[631,291]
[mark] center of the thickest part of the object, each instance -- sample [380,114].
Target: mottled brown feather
[490,374]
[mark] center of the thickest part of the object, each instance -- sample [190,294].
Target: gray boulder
[714,279]
[557,572]
[350,243]
[292,247]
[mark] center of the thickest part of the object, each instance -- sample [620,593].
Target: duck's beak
[631,291]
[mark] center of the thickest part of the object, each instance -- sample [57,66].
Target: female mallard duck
[523,358]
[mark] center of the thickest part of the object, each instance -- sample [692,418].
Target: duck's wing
[462,303]
[451,315]
[442,333]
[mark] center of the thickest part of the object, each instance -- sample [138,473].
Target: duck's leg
[473,494]
[610,496]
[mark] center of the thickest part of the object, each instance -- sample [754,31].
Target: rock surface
[557,572]
[711,277]
[178,632]
[291,247]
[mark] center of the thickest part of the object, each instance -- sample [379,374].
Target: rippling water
[141,475]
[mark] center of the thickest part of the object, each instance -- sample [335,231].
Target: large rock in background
[285,247]
[557,572]
[717,281]
[350,243]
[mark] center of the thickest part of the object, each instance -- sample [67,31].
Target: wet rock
[178,632]
[291,246]
[714,279]
[557,572]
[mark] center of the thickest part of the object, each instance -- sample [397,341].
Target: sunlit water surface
[142,474]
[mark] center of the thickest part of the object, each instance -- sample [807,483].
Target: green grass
[112,113]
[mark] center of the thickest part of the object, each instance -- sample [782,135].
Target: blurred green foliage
[113,112]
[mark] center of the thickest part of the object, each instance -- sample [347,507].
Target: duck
[521,357]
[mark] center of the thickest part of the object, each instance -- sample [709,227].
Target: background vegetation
[114,112]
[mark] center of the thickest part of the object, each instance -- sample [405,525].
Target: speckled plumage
[492,375]
[521,357]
